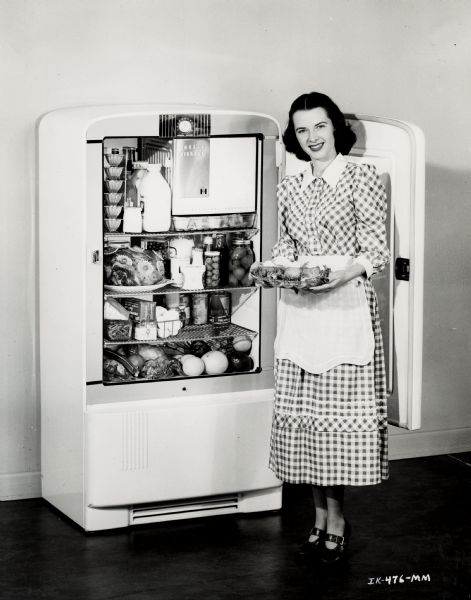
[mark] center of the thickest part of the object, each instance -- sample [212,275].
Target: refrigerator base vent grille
[187,509]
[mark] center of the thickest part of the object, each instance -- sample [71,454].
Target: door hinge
[402,269]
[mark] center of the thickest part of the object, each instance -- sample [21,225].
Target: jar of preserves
[241,258]
[212,259]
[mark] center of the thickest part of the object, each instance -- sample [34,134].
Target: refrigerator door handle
[95,257]
[402,269]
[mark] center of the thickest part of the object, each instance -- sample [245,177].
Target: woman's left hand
[338,279]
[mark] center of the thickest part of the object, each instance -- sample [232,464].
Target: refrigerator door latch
[95,257]
[402,269]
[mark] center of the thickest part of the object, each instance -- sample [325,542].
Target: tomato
[240,361]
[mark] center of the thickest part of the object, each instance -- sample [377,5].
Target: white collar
[331,175]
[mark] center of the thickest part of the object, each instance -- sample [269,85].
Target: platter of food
[137,288]
[289,274]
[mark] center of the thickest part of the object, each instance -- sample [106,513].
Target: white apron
[321,331]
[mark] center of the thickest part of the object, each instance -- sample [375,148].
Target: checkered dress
[331,428]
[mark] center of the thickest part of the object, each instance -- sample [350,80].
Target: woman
[329,424]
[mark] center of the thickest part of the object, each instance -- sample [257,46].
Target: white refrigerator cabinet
[117,454]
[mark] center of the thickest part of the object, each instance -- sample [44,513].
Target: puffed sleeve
[285,245]
[370,201]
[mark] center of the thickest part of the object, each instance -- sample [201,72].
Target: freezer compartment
[176,448]
[215,175]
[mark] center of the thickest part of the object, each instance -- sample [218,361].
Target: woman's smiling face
[315,134]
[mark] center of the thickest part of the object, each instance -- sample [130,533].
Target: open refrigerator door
[396,149]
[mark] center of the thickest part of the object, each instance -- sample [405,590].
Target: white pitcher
[181,247]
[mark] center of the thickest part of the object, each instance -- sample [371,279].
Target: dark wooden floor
[410,539]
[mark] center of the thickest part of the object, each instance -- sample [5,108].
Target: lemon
[242,343]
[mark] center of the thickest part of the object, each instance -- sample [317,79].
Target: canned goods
[199,309]
[219,307]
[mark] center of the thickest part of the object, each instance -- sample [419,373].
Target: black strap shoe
[331,555]
[308,549]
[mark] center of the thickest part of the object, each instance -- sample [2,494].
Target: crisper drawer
[178,448]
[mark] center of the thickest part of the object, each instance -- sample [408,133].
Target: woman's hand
[338,279]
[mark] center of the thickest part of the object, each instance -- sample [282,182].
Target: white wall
[406,59]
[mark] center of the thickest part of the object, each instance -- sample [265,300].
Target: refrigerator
[129,435]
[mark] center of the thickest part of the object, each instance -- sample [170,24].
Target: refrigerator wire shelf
[192,333]
[172,289]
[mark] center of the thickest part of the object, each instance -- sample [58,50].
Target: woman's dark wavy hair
[343,135]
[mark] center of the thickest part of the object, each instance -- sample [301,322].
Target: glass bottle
[129,157]
[208,244]
[146,328]
[221,246]
[139,171]
[185,309]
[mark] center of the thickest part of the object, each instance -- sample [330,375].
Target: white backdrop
[400,58]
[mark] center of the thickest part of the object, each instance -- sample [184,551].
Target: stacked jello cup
[114,181]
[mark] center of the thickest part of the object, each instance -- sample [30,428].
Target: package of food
[114,310]
[117,330]
[133,266]
[139,309]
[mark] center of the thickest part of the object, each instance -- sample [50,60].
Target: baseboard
[414,444]
[20,486]
[402,444]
